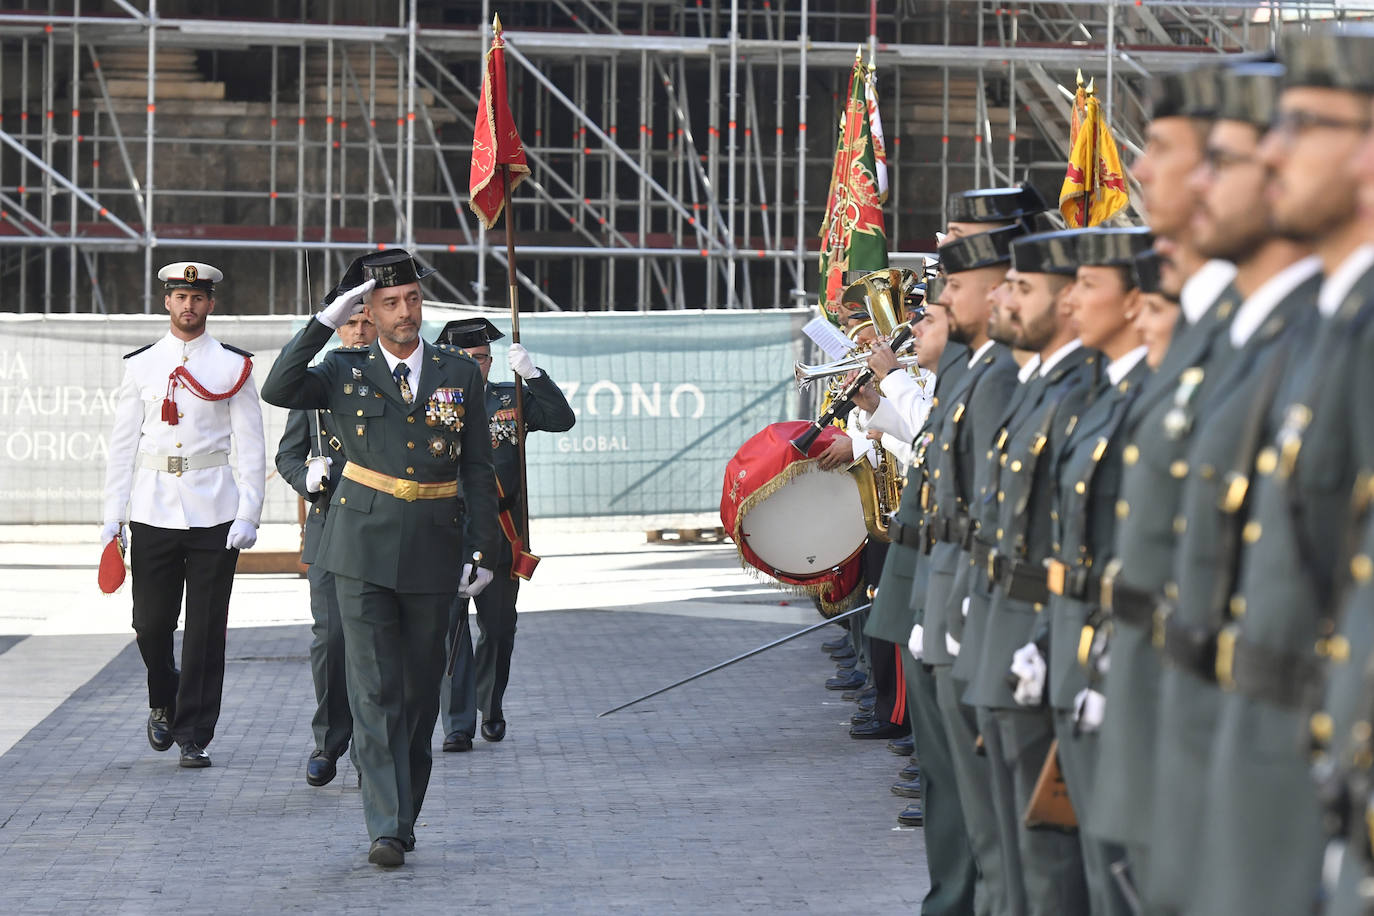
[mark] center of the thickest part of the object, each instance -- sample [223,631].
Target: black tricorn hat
[985,249]
[392,267]
[1047,252]
[1190,94]
[1147,271]
[1103,246]
[469,332]
[995,205]
[935,288]
[1250,93]
[1336,58]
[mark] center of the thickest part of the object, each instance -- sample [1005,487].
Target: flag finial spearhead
[1080,78]
[496,23]
[859,54]
[1092,83]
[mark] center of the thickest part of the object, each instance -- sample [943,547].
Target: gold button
[1267,461]
[1080,488]
[180,414]
[1322,726]
[999,534]
[178,445]
[410,445]
[1361,567]
[1003,460]
[1123,508]
[343,499]
[1180,525]
[360,413]
[1237,606]
[410,419]
[1179,469]
[1016,467]
[410,470]
[1251,532]
[936,475]
[1001,496]
[944,446]
[1131,455]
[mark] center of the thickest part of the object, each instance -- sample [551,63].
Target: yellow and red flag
[853,236]
[1094,186]
[495,141]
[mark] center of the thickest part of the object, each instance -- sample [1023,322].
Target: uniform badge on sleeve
[445,408]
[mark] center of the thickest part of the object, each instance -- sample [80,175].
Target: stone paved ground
[738,793]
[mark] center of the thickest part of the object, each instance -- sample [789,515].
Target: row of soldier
[1134,540]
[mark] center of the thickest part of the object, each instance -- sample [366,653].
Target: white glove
[951,644]
[336,314]
[916,644]
[1029,667]
[1088,709]
[109,531]
[242,535]
[521,363]
[317,472]
[473,580]
[963,608]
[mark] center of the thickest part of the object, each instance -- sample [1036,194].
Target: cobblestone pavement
[740,792]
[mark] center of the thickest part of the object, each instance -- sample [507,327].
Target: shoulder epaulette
[243,353]
[450,348]
[138,351]
[363,349]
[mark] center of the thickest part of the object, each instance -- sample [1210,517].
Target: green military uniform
[1051,864]
[1219,463]
[479,680]
[1157,428]
[980,395]
[396,558]
[1293,541]
[948,858]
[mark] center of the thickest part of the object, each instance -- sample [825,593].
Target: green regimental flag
[852,235]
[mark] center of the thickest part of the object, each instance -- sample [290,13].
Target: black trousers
[168,563]
[332,723]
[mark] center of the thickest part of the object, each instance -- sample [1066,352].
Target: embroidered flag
[495,141]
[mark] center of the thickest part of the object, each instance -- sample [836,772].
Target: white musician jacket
[199,498]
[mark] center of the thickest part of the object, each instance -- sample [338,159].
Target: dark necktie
[400,373]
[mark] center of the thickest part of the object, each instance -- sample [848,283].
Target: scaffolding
[672,164]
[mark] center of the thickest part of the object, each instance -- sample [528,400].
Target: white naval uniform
[199,498]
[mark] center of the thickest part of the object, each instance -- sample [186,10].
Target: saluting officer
[310,461]
[479,682]
[1269,657]
[1104,299]
[413,421]
[1158,427]
[184,402]
[1279,280]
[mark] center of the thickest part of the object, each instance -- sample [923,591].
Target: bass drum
[799,525]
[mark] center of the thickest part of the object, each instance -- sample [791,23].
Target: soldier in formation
[1134,546]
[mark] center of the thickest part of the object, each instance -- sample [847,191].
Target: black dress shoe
[457,742]
[902,744]
[876,729]
[387,851]
[859,718]
[909,789]
[868,704]
[910,772]
[193,756]
[836,644]
[842,653]
[494,729]
[850,680]
[848,664]
[160,728]
[911,816]
[320,769]
[409,844]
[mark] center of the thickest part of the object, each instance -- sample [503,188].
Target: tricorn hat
[995,205]
[392,267]
[1250,92]
[1147,271]
[935,288]
[1047,252]
[985,249]
[469,332]
[1118,246]
[1335,58]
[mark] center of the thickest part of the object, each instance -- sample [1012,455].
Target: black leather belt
[1022,580]
[906,535]
[1274,676]
[1191,648]
[1127,603]
[950,530]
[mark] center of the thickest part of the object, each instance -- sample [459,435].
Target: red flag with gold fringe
[495,141]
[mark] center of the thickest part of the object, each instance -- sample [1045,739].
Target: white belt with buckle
[177,464]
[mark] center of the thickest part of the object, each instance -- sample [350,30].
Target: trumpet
[844,399]
[806,374]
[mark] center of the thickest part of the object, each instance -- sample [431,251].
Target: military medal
[445,408]
[437,446]
[348,389]
[357,373]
